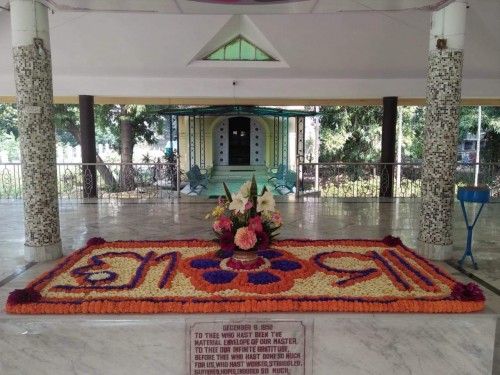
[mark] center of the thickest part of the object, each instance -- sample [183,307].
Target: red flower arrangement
[245,220]
[392,241]
[20,296]
[96,241]
[467,292]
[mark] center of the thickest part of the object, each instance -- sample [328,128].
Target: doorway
[239,141]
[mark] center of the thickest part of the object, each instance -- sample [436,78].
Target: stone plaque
[246,347]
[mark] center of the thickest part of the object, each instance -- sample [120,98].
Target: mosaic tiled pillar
[441,133]
[33,77]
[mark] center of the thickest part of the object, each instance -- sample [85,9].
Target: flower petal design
[219,277]
[206,273]
[205,263]
[155,277]
[262,278]
[269,254]
[285,265]
[350,276]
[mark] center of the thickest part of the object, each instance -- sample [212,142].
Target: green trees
[350,134]
[9,131]
[490,125]
[8,120]
[130,124]
[413,133]
[123,126]
[353,134]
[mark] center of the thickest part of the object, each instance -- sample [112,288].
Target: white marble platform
[363,344]
[154,344]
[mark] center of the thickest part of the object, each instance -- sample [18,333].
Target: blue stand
[473,196]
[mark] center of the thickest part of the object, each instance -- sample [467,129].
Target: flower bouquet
[244,223]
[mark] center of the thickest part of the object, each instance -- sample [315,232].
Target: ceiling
[239,6]
[328,49]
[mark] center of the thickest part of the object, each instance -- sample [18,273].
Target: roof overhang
[237,110]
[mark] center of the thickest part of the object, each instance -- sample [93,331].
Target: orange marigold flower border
[269,289]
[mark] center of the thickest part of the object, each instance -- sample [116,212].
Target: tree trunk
[127,149]
[109,179]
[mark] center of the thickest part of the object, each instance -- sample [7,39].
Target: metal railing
[163,180]
[101,180]
[372,179]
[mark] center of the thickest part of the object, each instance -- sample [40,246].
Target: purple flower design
[219,276]
[278,269]
[269,254]
[205,263]
[260,278]
[285,265]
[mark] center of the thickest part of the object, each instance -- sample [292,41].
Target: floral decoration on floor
[293,275]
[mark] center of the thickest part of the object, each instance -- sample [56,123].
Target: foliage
[9,132]
[413,129]
[350,134]
[8,120]
[145,121]
[491,151]
[64,114]
[9,143]
[490,126]
[353,134]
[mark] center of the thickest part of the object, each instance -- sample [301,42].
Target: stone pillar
[444,85]
[33,77]
[87,136]
[388,154]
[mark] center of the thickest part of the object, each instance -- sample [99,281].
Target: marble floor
[304,218]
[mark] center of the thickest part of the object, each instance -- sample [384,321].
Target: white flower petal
[238,203]
[266,202]
[245,189]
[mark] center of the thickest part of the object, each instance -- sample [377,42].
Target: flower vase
[245,256]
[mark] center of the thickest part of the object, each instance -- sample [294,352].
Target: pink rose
[225,223]
[255,224]
[217,227]
[245,238]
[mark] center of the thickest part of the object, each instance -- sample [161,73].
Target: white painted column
[444,86]
[478,145]
[33,77]
[399,147]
